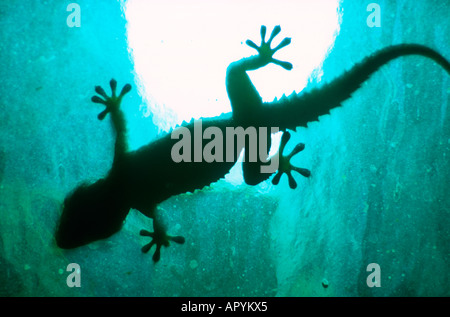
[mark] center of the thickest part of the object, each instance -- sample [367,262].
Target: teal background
[378,193]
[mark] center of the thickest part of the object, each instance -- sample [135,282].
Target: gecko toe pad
[285,165]
[266,52]
[159,239]
[111,102]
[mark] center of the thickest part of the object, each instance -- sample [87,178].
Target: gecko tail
[297,110]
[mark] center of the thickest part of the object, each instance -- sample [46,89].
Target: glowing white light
[181,50]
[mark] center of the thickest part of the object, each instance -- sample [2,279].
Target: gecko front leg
[112,104]
[159,237]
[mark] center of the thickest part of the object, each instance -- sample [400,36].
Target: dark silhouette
[141,179]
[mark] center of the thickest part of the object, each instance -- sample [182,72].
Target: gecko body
[144,178]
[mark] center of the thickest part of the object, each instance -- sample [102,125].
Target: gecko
[143,178]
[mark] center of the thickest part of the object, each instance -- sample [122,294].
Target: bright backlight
[181,50]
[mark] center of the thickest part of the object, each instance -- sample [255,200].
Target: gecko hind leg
[285,165]
[159,238]
[266,52]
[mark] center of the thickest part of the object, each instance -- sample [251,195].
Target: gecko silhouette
[144,178]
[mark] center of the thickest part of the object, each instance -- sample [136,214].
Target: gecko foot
[159,238]
[266,52]
[112,102]
[285,165]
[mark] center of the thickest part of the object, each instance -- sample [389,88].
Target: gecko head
[90,213]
